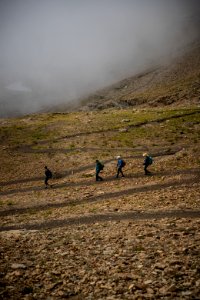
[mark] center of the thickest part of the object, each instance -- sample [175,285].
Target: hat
[145,154]
[118,157]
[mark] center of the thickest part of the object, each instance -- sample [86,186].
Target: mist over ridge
[52,52]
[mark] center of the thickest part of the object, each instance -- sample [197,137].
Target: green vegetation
[50,127]
[171,130]
[16,135]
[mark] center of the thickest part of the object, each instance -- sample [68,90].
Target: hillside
[175,82]
[135,237]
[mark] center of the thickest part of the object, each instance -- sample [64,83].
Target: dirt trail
[195,178]
[65,173]
[30,149]
[105,196]
[85,220]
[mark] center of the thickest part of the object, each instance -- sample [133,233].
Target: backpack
[150,160]
[49,173]
[101,166]
[123,163]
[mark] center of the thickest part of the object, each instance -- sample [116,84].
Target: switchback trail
[30,149]
[65,173]
[105,196]
[91,219]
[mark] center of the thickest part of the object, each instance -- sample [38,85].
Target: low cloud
[52,52]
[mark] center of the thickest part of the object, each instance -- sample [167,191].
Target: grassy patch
[16,135]
[52,126]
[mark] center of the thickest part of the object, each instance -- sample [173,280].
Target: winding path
[136,215]
[106,196]
[91,219]
[30,149]
[66,173]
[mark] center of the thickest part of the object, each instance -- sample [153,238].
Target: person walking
[147,162]
[120,165]
[99,168]
[48,175]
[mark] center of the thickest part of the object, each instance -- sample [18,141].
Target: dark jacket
[48,173]
[99,166]
[147,161]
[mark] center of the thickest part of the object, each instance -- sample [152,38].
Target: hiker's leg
[121,172]
[145,169]
[118,170]
[46,181]
[98,177]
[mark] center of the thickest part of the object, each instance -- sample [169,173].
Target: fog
[56,51]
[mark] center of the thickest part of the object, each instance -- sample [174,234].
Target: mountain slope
[135,237]
[174,83]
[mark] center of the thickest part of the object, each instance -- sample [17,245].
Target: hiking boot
[148,173]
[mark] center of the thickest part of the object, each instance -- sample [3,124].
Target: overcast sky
[53,51]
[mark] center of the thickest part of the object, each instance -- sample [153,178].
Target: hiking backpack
[50,174]
[150,160]
[101,167]
[123,163]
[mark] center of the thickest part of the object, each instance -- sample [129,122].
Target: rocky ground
[148,259]
[135,237]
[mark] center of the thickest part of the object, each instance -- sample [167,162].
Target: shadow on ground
[85,220]
[105,196]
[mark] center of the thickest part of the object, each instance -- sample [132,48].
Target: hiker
[48,175]
[147,162]
[120,165]
[99,168]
